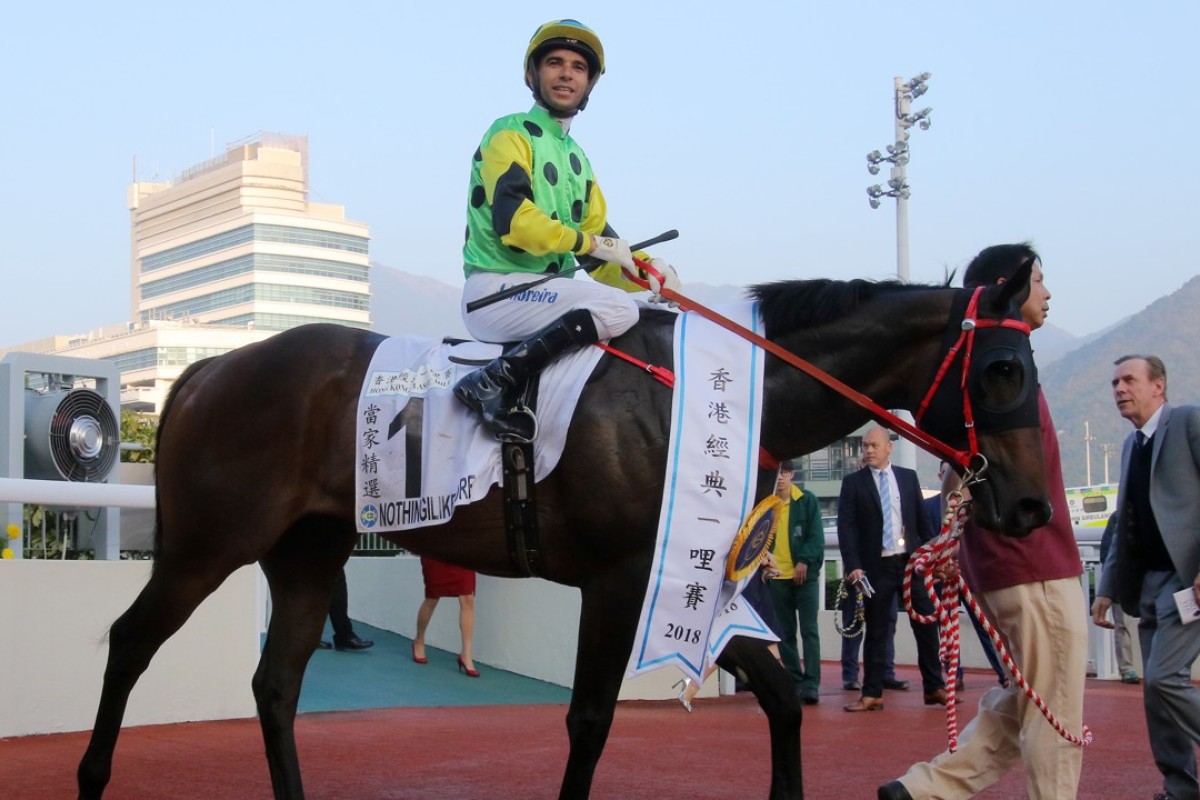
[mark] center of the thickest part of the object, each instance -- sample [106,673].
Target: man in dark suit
[1156,555]
[881,517]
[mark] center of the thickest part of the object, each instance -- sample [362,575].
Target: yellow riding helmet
[568,33]
[573,35]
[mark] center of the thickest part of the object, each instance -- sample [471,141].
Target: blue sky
[744,125]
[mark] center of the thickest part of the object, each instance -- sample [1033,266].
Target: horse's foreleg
[301,583]
[166,602]
[607,625]
[776,695]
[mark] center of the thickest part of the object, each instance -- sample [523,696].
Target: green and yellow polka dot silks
[532,198]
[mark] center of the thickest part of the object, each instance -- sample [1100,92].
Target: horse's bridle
[974,462]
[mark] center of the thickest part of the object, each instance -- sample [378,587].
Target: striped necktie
[885,502]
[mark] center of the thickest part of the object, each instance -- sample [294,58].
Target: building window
[283,322]
[259,292]
[254,262]
[164,357]
[257,232]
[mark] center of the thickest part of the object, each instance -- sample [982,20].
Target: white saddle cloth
[420,453]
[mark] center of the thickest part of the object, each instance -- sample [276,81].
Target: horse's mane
[791,304]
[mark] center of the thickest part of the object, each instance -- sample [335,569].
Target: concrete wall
[54,625]
[56,615]
[529,626]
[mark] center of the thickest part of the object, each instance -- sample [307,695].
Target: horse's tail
[187,375]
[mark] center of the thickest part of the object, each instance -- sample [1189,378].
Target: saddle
[518,485]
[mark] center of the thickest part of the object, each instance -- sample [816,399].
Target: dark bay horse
[255,464]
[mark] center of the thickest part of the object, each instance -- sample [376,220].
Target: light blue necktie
[885,502]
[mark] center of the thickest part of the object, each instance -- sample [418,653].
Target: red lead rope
[927,561]
[907,430]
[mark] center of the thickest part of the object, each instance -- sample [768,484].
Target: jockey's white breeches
[521,315]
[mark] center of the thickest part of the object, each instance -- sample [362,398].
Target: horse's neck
[887,358]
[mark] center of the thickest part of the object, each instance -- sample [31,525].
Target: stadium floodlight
[898,189]
[898,155]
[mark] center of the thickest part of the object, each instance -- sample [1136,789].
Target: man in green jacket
[799,550]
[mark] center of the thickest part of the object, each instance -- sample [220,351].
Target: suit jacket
[1175,499]
[933,521]
[860,518]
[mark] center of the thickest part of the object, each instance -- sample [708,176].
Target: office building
[230,252]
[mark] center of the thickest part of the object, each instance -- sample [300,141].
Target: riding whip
[587,263]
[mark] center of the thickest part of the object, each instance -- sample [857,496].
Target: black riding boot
[494,390]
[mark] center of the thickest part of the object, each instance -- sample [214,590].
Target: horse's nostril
[1034,513]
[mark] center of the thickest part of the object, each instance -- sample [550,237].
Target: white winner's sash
[690,610]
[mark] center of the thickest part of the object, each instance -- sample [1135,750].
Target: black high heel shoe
[462,667]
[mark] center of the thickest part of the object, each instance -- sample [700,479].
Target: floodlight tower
[898,154]
[898,188]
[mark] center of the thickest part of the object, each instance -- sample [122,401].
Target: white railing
[72,493]
[107,497]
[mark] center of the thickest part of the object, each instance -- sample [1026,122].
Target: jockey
[534,205]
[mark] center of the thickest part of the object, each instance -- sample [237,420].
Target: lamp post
[1087,448]
[1109,449]
[898,189]
[898,155]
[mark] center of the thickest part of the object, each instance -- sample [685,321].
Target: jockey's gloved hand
[670,281]
[610,248]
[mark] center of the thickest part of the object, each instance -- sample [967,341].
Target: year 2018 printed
[682,634]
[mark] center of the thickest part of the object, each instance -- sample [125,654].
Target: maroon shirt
[992,561]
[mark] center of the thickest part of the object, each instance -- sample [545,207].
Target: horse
[279,416]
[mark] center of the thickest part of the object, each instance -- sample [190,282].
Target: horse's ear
[1012,292]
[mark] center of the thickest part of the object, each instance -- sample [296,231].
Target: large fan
[70,435]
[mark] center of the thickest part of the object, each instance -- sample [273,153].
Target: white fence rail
[71,493]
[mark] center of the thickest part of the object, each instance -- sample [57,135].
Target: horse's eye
[1003,383]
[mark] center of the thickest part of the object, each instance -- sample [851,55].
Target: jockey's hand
[612,249]
[670,281]
[1100,612]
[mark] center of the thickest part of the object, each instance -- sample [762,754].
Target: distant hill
[1052,343]
[709,295]
[414,304]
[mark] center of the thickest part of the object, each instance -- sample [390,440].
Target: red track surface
[656,750]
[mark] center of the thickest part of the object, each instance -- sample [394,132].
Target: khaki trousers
[1044,626]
